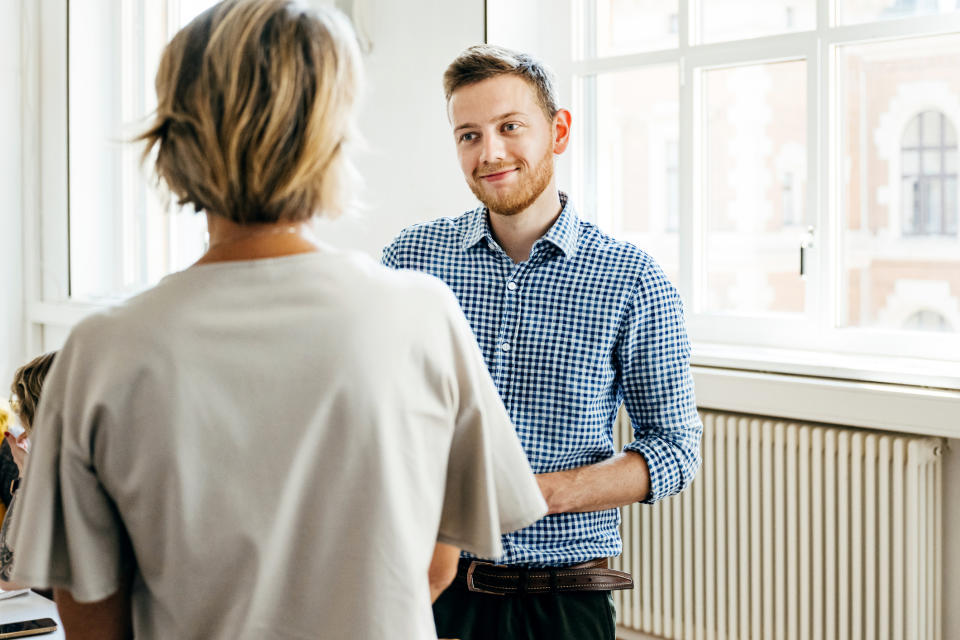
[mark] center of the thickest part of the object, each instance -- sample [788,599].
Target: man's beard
[522,196]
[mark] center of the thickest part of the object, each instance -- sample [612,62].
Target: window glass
[632,26]
[755,173]
[737,19]
[123,235]
[900,102]
[637,160]
[852,11]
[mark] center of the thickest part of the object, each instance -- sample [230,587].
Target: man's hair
[255,102]
[26,387]
[484,61]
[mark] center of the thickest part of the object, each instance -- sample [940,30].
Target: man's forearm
[617,481]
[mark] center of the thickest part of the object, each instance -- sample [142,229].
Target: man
[571,323]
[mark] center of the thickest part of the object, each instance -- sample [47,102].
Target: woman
[271,443]
[24,400]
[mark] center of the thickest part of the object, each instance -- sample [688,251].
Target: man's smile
[498,175]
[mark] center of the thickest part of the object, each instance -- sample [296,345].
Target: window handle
[805,246]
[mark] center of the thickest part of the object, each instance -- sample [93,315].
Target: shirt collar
[564,233]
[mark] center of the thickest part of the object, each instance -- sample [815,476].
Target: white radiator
[790,532]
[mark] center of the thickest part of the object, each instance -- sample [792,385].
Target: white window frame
[806,344]
[50,312]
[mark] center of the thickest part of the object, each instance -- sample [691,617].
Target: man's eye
[468,137]
[511,126]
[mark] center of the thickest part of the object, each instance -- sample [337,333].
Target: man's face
[504,142]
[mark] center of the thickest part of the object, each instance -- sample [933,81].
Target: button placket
[509,326]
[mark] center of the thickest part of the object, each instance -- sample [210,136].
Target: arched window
[929,175]
[926,320]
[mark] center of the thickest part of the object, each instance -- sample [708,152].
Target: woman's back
[279,445]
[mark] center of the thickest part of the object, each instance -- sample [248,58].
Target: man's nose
[493,149]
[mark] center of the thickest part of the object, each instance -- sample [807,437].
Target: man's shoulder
[616,256]
[445,230]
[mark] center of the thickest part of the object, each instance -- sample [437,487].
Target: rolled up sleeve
[653,357]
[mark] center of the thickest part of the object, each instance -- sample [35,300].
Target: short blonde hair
[255,103]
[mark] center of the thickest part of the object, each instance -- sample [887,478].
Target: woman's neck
[232,241]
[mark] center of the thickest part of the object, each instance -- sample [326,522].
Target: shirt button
[512,285]
[505,346]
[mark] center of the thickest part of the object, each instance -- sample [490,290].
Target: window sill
[892,370]
[832,389]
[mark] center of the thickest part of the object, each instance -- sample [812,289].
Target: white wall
[11,194]
[410,166]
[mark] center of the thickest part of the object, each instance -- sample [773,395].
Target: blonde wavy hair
[255,105]
[26,387]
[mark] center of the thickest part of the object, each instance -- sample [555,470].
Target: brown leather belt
[495,579]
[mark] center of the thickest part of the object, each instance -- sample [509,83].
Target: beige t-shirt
[275,445]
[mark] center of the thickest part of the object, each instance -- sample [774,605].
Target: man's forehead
[491,99]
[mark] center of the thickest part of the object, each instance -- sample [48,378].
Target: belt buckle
[474,588]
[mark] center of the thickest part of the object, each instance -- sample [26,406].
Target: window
[636,160]
[122,236]
[788,202]
[791,122]
[853,11]
[928,165]
[628,26]
[897,100]
[672,186]
[753,115]
[926,320]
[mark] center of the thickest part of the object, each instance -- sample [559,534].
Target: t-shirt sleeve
[68,532]
[490,488]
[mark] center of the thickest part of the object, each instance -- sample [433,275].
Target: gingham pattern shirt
[587,322]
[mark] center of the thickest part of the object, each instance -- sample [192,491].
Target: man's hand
[443,569]
[617,481]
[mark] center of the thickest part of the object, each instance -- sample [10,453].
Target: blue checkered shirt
[587,322]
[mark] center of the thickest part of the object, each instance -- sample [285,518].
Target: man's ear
[561,131]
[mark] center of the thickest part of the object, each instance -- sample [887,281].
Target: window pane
[910,204]
[950,134]
[756,144]
[930,129]
[122,237]
[899,240]
[630,26]
[734,19]
[950,205]
[911,137]
[934,208]
[931,162]
[854,11]
[637,160]
[911,163]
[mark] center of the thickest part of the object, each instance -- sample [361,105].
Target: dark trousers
[580,615]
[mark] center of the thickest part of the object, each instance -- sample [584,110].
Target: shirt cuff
[661,466]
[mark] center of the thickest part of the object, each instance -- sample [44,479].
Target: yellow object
[6,417]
